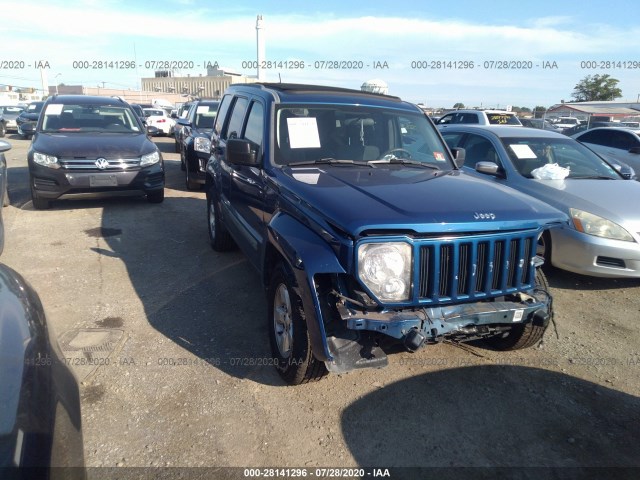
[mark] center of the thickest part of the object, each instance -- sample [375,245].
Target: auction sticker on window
[303,132]
[523,151]
[54,109]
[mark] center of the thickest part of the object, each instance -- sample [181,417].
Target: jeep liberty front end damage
[365,231]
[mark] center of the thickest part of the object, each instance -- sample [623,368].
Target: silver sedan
[603,236]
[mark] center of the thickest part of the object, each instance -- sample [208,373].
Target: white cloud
[99,29]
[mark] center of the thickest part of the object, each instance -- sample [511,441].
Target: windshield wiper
[403,161]
[592,177]
[331,161]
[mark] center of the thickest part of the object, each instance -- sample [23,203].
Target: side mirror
[627,172]
[241,152]
[4,146]
[458,156]
[488,168]
[184,122]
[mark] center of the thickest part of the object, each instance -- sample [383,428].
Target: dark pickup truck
[365,231]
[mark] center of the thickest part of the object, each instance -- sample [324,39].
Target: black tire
[543,249]
[156,196]
[183,161]
[176,147]
[189,183]
[3,129]
[219,236]
[39,203]
[5,199]
[522,335]
[288,334]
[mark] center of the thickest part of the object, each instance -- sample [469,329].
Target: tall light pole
[260,48]
[54,79]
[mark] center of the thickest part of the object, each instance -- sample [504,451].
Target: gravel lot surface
[180,335]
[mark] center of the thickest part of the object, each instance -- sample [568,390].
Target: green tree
[596,87]
[538,111]
[458,105]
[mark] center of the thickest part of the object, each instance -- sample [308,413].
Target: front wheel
[3,130]
[288,334]
[190,183]
[39,203]
[218,234]
[543,249]
[523,335]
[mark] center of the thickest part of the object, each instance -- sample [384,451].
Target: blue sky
[391,34]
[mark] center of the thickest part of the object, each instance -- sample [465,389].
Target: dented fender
[307,254]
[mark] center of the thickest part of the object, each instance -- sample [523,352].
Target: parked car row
[193,139]
[8,116]
[288,172]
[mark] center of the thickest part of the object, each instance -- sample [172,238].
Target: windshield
[35,107]
[356,133]
[89,118]
[502,119]
[527,154]
[205,115]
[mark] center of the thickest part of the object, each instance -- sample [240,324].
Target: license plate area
[103,181]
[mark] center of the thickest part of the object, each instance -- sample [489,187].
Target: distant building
[131,96]
[212,85]
[585,110]
[10,95]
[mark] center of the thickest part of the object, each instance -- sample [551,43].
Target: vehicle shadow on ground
[574,281]
[494,415]
[212,304]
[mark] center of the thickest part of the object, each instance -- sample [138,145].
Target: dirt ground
[180,338]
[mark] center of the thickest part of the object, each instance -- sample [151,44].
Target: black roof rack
[301,87]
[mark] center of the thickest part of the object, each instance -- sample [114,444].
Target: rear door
[247,186]
[241,187]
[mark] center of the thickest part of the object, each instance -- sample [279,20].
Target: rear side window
[222,114]
[599,137]
[237,116]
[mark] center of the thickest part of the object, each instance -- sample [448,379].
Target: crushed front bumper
[354,348]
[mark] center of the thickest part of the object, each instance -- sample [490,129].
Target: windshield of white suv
[89,118]
[307,133]
[503,119]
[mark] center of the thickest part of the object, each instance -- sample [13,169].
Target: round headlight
[385,268]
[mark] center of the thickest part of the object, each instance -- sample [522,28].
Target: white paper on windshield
[54,109]
[310,178]
[202,109]
[523,151]
[303,132]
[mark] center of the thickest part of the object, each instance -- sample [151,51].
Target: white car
[567,122]
[157,117]
[480,117]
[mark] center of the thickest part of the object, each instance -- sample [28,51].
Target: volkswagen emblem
[102,163]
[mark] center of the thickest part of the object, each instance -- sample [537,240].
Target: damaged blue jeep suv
[366,232]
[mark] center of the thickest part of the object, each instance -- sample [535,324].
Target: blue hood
[413,199]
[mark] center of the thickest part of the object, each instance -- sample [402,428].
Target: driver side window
[480,149]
